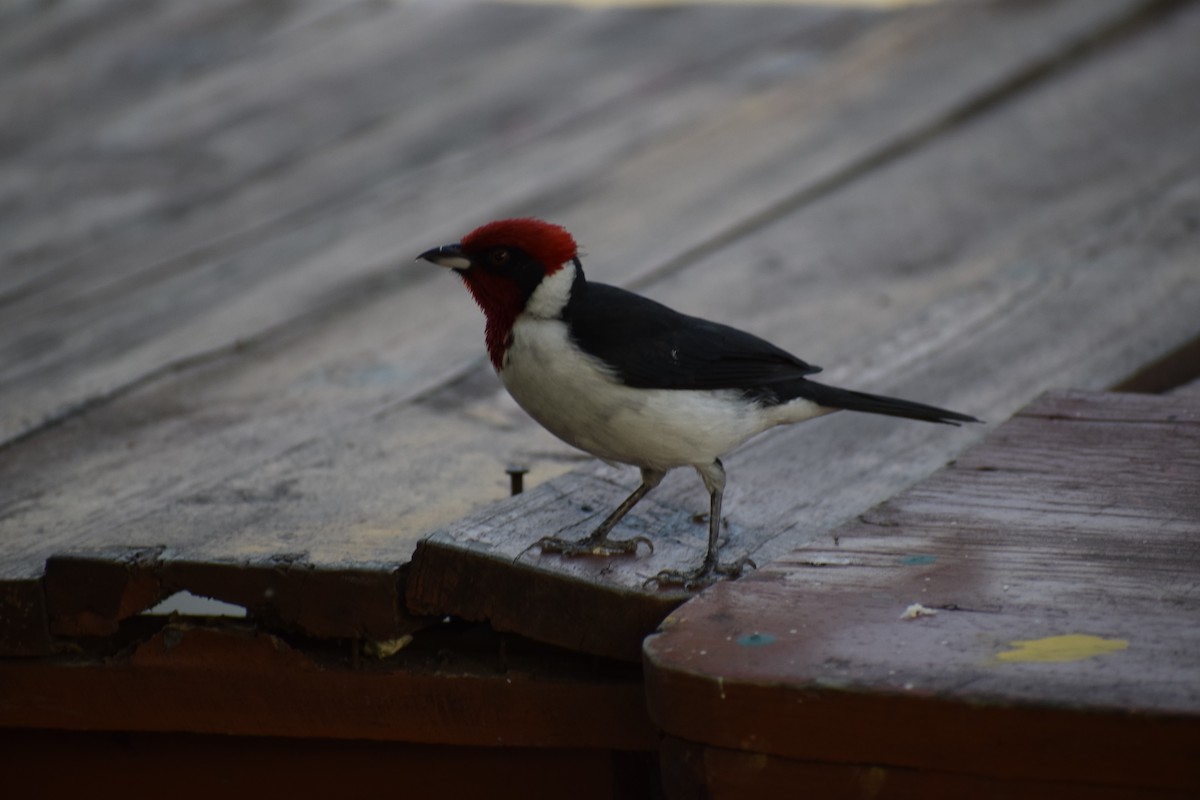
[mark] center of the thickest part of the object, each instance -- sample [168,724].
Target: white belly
[584,406]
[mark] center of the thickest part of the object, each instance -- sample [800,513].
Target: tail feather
[832,397]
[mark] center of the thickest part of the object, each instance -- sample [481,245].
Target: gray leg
[714,480]
[710,570]
[597,542]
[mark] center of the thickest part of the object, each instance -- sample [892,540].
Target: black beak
[448,255]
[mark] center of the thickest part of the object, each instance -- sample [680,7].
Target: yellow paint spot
[871,781]
[750,763]
[1070,647]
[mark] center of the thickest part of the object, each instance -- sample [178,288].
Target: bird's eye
[499,256]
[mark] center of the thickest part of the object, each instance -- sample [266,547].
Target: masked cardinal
[632,381]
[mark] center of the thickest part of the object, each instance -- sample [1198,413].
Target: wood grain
[457,686]
[1061,522]
[966,294]
[259,765]
[693,770]
[697,771]
[290,177]
[264,386]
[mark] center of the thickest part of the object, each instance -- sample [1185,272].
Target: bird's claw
[592,547]
[701,577]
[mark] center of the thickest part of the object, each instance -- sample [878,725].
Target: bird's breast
[581,400]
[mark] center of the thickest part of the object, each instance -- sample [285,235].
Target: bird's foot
[592,546]
[701,577]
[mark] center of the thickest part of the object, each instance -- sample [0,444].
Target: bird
[632,381]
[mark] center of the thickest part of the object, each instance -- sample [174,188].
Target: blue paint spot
[755,639]
[918,561]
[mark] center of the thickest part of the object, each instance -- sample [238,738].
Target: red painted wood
[459,687]
[55,764]
[1078,517]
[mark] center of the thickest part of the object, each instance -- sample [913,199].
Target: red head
[549,245]
[502,263]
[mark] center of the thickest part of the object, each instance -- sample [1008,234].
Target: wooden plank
[92,593]
[1075,519]
[692,770]
[350,434]
[119,282]
[463,687]
[266,245]
[201,767]
[24,625]
[69,75]
[323,156]
[1176,368]
[1188,388]
[89,594]
[969,316]
[502,582]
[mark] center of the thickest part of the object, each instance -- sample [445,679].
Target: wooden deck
[1039,595]
[221,371]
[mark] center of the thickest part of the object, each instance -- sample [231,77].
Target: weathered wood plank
[1017,236]
[1188,388]
[72,73]
[291,767]
[458,687]
[278,245]
[692,770]
[92,593]
[502,581]
[303,442]
[294,177]
[1059,524]
[190,259]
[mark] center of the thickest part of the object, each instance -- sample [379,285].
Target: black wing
[651,346]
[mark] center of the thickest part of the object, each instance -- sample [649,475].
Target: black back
[673,350]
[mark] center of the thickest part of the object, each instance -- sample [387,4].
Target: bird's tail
[832,397]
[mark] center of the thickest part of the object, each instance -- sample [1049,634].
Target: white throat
[552,294]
